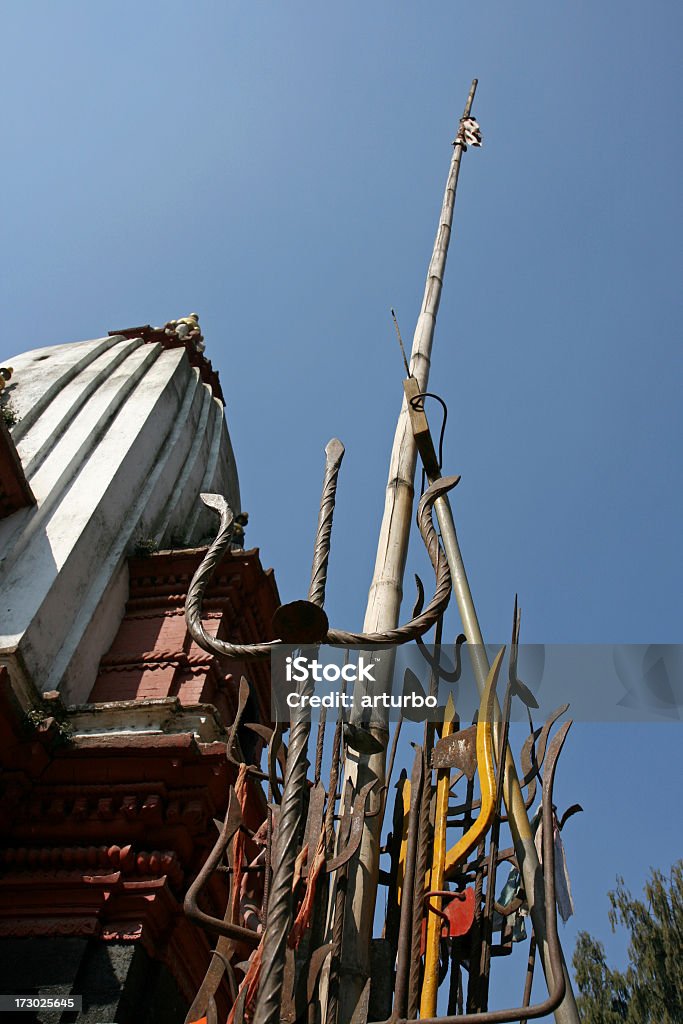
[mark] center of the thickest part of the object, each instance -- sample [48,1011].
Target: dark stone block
[119,982]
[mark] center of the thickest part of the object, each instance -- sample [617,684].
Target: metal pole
[405,927]
[523,841]
[384,598]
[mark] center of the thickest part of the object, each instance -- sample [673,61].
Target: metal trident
[305,622]
[415,627]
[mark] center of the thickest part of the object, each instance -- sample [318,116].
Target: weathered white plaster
[154,717]
[117,438]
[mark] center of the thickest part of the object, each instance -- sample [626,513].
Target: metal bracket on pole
[567,1012]
[420,427]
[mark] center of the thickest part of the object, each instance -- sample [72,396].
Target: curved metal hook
[277,752]
[415,627]
[232,822]
[448,675]
[358,816]
[534,749]
[231,743]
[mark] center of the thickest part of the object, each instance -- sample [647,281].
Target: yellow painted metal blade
[430,983]
[486,769]
[401,870]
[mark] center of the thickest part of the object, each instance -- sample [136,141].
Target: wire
[417,402]
[400,341]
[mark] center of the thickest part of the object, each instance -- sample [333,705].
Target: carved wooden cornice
[15,492]
[152,335]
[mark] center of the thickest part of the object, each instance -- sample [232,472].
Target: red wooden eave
[15,492]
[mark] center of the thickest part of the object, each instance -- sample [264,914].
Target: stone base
[119,982]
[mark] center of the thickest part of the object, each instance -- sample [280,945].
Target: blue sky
[279,168]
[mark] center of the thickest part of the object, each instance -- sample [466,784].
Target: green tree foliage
[650,990]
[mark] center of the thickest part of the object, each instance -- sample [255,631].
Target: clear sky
[279,168]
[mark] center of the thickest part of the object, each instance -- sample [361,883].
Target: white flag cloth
[469,132]
[563,889]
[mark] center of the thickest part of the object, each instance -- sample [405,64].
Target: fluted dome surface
[117,438]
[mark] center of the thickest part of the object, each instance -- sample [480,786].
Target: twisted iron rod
[289,825]
[410,630]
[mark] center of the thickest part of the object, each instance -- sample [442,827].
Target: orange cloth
[238,843]
[303,918]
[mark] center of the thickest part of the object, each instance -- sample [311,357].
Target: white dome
[117,438]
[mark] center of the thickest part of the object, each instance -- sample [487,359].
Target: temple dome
[117,438]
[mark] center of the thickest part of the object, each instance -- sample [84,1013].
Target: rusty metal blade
[356,831]
[457,751]
[232,735]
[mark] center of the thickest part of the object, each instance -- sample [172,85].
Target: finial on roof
[240,521]
[186,333]
[187,329]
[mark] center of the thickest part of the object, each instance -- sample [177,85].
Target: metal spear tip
[359,738]
[521,690]
[334,450]
[300,622]
[569,813]
[216,502]
[412,686]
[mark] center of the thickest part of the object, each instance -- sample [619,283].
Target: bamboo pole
[384,599]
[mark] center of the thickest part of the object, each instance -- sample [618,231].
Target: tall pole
[522,838]
[384,600]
